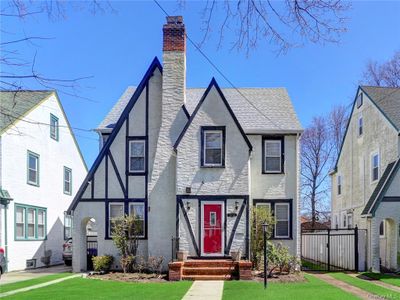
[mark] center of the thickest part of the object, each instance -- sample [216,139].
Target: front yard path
[205,290]
[377,282]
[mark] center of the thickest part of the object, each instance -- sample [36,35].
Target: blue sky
[116,49]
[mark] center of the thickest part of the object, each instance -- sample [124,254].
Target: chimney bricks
[174,34]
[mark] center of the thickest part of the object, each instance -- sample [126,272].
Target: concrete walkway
[33,287]
[345,286]
[205,290]
[378,282]
[17,276]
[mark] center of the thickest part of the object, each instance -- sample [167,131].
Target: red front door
[212,229]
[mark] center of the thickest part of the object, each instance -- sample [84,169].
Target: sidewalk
[16,276]
[205,290]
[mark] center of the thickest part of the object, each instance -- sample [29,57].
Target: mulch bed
[130,277]
[280,278]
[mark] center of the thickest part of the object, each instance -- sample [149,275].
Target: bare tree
[316,150]
[337,122]
[285,24]
[385,74]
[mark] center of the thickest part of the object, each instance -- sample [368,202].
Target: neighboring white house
[41,168]
[191,163]
[366,179]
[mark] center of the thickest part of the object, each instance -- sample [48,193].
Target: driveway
[34,273]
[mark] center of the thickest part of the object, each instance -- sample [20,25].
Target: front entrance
[212,228]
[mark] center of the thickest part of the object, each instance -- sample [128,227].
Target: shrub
[154,264]
[102,263]
[280,259]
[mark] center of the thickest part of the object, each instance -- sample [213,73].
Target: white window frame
[67,225]
[276,221]
[272,141]
[54,127]
[23,223]
[131,205]
[109,214]
[69,171]
[210,131]
[131,170]
[33,223]
[360,126]
[373,154]
[339,185]
[36,169]
[44,223]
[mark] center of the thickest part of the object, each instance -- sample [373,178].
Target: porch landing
[209,269]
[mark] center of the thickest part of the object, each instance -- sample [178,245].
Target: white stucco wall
[54,155]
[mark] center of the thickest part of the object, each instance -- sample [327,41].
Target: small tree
[125,237]
[260,215]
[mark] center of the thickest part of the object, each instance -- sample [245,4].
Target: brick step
[206,277]
[208,263]
[208,271]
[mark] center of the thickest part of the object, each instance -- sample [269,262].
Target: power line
[220,72]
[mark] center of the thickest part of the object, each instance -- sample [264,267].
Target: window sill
[29,240]
[272,173]
[33,184]
[212,167]
[282,238]
[141,173]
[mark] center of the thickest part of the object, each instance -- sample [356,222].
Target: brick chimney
[174,34]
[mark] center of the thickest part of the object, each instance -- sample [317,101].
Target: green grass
[25,283]
[312,289]
[80,288]
[310,265]
[390,279]
[367,286]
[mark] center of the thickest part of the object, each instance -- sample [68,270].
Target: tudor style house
[366,179]
[191,163]
[41,168]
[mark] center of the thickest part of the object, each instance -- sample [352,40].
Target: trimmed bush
[102,263]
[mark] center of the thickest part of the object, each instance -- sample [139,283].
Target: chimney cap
[174,20]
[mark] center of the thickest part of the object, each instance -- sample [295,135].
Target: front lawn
[367,286]
[390,279]
[313,289]
[25,283]
[80,288]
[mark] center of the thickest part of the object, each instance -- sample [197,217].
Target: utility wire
[220,72]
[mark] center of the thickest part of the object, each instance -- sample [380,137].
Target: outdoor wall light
[236,205]
[188,205]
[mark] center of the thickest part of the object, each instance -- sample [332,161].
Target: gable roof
[382,186]
[213,83]
[125,113]
[14,105]
[387,100]
[262,110]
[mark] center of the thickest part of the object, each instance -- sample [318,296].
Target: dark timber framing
[272,202]
[217,198]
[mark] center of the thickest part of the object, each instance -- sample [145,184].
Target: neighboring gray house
[366,179]
[191,163]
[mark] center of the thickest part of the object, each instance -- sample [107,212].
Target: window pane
[213,140]
[32,175]
[375,174]
[31,216]
[281,211]
[41,216]
[213,156]
[20,215]
[31,230]
[137,210]
[140,228]
[20,230]
[116,210]
[282,228]
[137,164]
[32,162]
[273,148]
[264,206]
[273,164]
[41,231]
[67,174]
[375,161]
[67,187]
[137,148]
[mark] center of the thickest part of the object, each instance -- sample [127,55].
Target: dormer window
[213,146]
[360,100]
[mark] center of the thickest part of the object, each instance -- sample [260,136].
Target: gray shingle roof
[388,101]
[269,110]
[15,104]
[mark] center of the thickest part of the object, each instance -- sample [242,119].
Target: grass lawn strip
[367,286]
[312,289]
[25,283]
[81,288]
[386,278]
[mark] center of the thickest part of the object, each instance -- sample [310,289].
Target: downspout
[5,237]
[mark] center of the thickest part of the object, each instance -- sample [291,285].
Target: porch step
[206,277]
[207,271]
[204,263]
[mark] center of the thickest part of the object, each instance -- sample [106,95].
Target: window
[382,229]
[349,221]
[53,127]
[273,155]
[33,168]
[282,220]
[360,126]
[213,144]
[67,227]
[19,222]
[375,167]
[137,210]
[360,100]
[344,219]
[30,222]
[67,181]
[116,210]
[336,222]
[339,184]
[137,156]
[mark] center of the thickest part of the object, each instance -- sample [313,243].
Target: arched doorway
[90,231]
[387,245]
